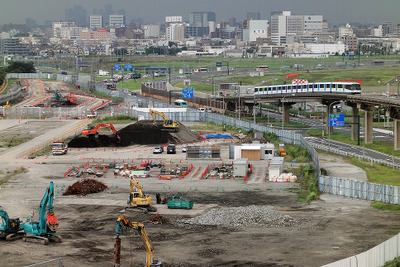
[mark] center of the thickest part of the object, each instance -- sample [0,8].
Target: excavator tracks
[45,240]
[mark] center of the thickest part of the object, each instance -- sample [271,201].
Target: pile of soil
[84,187]
[158,218]
[142,133]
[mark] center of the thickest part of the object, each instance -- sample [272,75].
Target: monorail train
[320,87]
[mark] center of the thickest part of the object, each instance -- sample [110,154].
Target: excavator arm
[95,130]
[168,124]
[123,221]
[138,187]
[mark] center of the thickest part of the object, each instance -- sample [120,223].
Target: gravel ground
[239,217]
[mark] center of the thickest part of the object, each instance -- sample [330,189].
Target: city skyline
[154,11]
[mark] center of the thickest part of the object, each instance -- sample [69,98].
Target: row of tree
[16,67]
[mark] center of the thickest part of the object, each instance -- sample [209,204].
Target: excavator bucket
[52,222]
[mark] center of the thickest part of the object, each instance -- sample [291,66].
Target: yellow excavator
[168,125]
[7,105]
[137,199]
[123,221]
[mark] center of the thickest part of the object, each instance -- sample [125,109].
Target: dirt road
[87,224]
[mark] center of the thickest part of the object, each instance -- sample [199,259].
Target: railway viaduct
[356,102]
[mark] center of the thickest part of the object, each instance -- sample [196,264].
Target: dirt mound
[99,141]
[158,218]
[84,187]
[141,132]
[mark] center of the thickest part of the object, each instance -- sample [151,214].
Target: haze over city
[154,11]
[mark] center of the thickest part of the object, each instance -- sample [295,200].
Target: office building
[12,46]
[201,19]
[117,20]
[96,22]
[284,24]
[253,15]
[257,29]
[175,32]
[151,30]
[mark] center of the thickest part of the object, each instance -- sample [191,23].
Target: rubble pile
[158,218]
[239,217]
[84,187]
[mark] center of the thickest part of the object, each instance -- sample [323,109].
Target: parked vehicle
[158,150]
[184,149]
[59,148]
[171,149]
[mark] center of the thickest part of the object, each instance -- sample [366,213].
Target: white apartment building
[117,20]
[284,23]
[175,32]
[71,33]
[257,29]
[96,22]
[326,48]
[151,30]
[58,25]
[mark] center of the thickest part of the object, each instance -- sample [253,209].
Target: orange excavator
[92,132]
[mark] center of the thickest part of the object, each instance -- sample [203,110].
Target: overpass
[356,102]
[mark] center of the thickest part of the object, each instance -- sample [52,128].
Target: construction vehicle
[123,221]
[45,229]
[137,199]
[10,228]
[59,148]
[59,100]
[93,131]
[7,105]
[168,125]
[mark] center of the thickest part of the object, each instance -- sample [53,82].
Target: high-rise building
[284,24]
[12,46]
[258,29]
[175,32]
[201,19]
[117,20]
[253,15]
[387,28]
[58,25]
[96,22]
[151,30]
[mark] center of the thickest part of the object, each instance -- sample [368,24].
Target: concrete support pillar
[355,120]
[396,134]
[328,128]
[369,116]
[251,108]
[285,113]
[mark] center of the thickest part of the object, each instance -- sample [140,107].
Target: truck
[59,148]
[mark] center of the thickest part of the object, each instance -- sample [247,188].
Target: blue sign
[128,67]
[336,119]
[116,67]
[187,93]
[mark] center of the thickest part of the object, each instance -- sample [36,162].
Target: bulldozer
[137,199]
[168,125]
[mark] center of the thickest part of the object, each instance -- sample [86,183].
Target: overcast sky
[154,11]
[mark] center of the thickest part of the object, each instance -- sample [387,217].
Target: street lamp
[329,115]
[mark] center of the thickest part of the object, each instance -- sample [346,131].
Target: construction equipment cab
[10,229]
[91,132]
[122,221]
[59,148]
[168,125]
[137,199]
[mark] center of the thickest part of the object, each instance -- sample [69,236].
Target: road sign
[218,64]
[128,67]
[187,93]
[336,119]
[116,67]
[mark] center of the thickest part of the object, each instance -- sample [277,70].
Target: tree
[21,67]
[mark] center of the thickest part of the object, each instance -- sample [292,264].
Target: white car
[158,150]
[184,149]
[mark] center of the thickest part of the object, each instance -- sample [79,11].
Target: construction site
[104,198]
